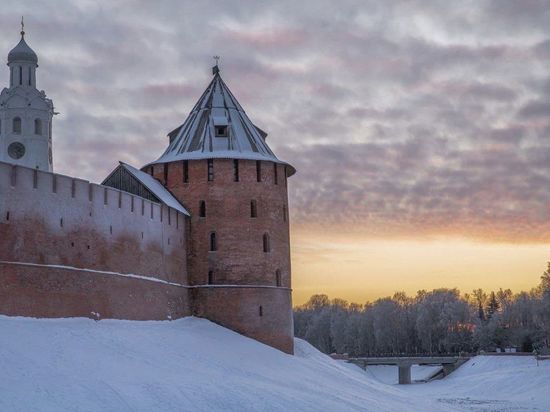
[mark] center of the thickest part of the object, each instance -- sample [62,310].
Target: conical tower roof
[218,127]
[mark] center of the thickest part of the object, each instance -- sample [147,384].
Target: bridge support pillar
[404,373]
[448,368]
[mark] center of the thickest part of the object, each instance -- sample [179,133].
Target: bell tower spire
[25,112]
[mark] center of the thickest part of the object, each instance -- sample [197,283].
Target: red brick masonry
[50,292]
[70,248]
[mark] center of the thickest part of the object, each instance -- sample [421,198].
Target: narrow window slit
[202,208]
[213,242]
[258,171]
[253,209]
[185,171]
[266,243]
[235,170]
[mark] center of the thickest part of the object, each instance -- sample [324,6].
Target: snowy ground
[194,365]
[493,383]
[484,383]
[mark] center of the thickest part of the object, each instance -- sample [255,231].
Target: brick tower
[220,167]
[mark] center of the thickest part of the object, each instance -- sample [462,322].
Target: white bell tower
[25,113]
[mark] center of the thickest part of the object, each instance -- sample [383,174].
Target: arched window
[253,209]
[37,126]
[17,125]
[213,242]
[20,75]
[202,208]
[278,281]
[267,246]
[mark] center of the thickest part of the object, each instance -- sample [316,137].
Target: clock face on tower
[16,150]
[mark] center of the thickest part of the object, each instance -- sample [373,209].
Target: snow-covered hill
[189,364]
[194,365]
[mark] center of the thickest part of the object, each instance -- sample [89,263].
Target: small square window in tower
[221,128]
[221,131]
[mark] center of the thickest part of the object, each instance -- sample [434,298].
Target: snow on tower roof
[218,127]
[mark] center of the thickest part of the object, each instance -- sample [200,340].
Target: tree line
[440,321]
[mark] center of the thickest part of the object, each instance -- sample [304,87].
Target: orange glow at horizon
[361,269]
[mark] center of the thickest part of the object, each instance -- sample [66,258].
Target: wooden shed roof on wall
[134,181]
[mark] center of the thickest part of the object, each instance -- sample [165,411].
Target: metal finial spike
[216,69]
[22,27]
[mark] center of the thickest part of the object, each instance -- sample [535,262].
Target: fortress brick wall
[261,313]
[239,284]
[240,257]
[70,248]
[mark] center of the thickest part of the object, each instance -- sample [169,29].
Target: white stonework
[25,114]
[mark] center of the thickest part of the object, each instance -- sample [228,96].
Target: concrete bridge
[449,363]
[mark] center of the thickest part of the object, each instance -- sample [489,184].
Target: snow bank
[186,365]
[192,364]
[493,383]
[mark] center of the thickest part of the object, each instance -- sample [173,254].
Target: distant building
[25,113]
[202,231]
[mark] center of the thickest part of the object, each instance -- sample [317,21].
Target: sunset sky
[420,129]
